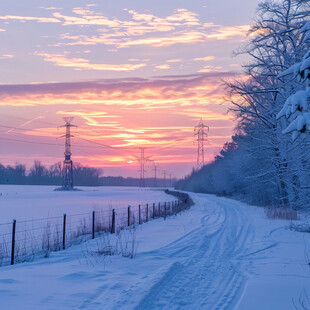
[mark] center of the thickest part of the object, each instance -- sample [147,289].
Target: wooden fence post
[13,242]
[64,232]
[147,212]
[159,209]
[153,210]
[128,215]
[93,231]
[113,222]
[139,214]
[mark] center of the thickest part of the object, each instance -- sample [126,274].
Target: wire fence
[22,241]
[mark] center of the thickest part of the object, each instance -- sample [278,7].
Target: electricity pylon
[67,171]
[142,160]
[201,135]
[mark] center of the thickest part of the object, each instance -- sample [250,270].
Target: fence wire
[26,240]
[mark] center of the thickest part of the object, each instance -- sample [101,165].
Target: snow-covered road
[221,254]
[206,273]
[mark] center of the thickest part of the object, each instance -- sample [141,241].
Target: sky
[132,74]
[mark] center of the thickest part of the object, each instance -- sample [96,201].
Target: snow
[305,27]
[298,124]
[294,69]
[39,211]
[30,202]
[293,102]
[220,254]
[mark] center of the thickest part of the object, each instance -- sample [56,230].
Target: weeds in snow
[122,244]
[303,227]
[51,240]
[282,214]
[126,242]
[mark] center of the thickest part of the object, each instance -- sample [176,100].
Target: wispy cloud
[207,58]
[30,18]
[162,67]
[51,8]
[84,64]
[143,94]
[181,38]
[174,60]
[139,29]
[127,39]
[6,56]
[211,69]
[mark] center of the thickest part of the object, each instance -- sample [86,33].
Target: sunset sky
[132,73]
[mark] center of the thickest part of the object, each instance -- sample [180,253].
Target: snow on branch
[294,103]
[296,106]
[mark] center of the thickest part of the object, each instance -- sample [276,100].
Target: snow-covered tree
[265,167]
[276,43]
[296,107]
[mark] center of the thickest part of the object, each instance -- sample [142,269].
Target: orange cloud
[29,18]
[161,67]
[84,64]
[147,94]
[181,27]
[183,38]
[6,56]
[211,69]
[174,60]
[124,114]
[91,19]
[207,58]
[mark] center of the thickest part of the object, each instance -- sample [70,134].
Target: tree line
[38,174]
[264,164]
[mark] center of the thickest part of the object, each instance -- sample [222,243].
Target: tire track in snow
[206,274]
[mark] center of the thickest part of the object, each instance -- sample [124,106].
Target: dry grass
[282,214]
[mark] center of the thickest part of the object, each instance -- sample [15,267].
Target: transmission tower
[67,171]
[142,160]
[201,135]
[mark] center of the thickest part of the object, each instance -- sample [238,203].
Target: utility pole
[170,175]
[67,171]
[201,134]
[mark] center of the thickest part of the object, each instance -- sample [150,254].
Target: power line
[97,143]
[30,142]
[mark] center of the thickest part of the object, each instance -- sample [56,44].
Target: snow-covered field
[38,211]
[31,202]
[220,254]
